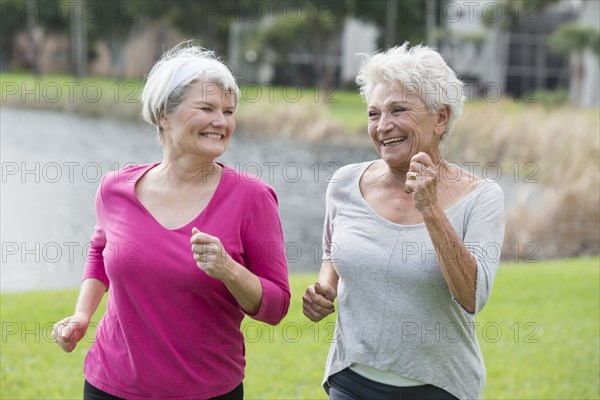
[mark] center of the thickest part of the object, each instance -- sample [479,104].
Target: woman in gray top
[411,244]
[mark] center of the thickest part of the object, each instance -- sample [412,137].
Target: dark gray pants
[348,385]
[92,393]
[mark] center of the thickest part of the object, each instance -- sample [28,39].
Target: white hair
[420,70]
[175,71]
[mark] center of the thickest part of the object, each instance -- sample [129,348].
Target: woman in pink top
[187,246]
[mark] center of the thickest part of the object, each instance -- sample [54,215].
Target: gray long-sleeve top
[395,310]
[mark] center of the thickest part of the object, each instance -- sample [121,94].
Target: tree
[12,21]
[573,40]
[78,41]
[319,27]
[207,21]
[112,21]
[38,18]
[408,23]
[313,29]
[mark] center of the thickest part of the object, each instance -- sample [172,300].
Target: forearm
[457,264]
[245,287]
[90,296]
[328,276]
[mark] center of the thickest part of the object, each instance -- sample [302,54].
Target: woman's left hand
[211,257]
[421,180]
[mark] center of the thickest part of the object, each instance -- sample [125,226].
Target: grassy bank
[95,96]
[539,337]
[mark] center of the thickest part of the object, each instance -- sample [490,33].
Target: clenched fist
[69,331]
[317,301]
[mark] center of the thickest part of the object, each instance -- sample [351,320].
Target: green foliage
[12,21]
[538,334]
[548,98]
[573,38]
[315,29]
[510,13]
[284,35]
[204,20]
[51,15]
[410,22]
[594,42]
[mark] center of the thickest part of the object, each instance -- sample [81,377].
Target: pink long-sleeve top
[170,330]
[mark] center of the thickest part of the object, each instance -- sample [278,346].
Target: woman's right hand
[317,301]
[69,331]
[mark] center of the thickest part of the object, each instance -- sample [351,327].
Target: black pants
[348,385]
[92,393]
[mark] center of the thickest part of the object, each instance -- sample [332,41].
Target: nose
[219,120]
[384,124]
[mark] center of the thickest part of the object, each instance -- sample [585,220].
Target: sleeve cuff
[274,304]
[101,277]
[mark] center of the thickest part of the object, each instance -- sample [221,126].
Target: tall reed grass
[303,120]
[552,157]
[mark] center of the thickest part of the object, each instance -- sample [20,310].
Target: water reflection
[51,168]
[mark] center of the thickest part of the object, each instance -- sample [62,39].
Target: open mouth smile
[393,141]
[212,135]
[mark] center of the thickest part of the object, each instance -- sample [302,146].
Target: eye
[398,109]
[373,114]
[206,109]
[228,112]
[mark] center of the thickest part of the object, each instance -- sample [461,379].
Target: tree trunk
[575,94]
[430,24]
[78,42]
[116,56]
[35,36]
[390,22]
[317,50]
[330,80]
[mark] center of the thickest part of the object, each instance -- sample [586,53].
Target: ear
[443,116]
[163,121]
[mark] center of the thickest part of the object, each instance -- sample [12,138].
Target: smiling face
[202,125]
[400,126]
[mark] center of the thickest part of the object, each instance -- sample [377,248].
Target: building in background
[509,54]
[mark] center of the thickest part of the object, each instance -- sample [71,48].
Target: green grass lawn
[539,336]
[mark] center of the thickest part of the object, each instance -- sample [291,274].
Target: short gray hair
[420,70]
[173,74]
